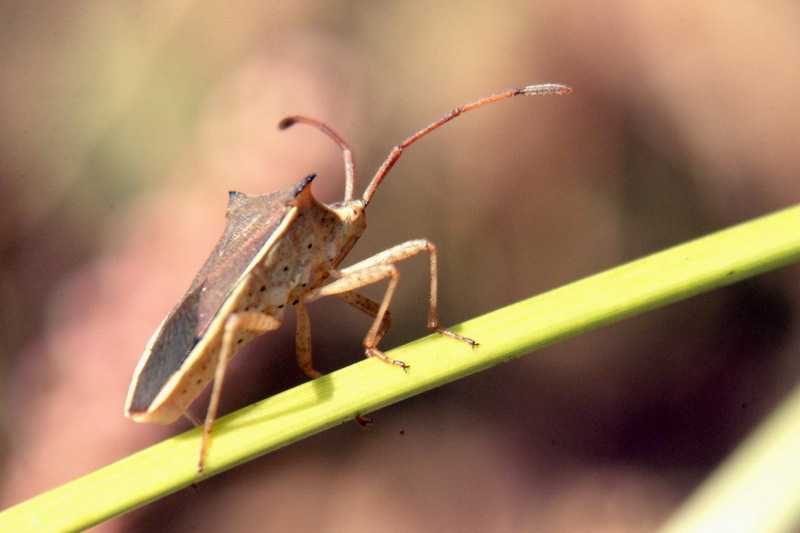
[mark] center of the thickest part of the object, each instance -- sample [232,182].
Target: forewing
[250,223]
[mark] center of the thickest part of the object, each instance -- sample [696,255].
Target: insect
[278,250]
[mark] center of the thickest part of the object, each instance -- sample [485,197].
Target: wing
[251,224]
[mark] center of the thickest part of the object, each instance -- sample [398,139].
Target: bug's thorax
[317,240]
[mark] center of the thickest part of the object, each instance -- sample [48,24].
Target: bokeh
[123,126]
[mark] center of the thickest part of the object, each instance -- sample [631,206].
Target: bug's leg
[404,251]
[191,417]
[246,321]
[370,307]
[376,268]
[303,335]
[353,279]
[303,332]
[303,342]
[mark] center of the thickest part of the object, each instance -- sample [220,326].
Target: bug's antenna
[347,153]
[397,151]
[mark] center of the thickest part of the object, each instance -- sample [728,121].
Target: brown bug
[277,250]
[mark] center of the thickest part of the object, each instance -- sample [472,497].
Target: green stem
[713,261]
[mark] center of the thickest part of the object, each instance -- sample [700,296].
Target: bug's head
[351,211]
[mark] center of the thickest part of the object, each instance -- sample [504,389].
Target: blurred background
[123,126]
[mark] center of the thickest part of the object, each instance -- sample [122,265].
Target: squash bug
[277,250]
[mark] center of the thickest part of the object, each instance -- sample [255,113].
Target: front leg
[404,251]
[376,268]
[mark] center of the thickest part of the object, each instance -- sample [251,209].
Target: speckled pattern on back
[306,239]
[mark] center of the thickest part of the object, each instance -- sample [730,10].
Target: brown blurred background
[122,128]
